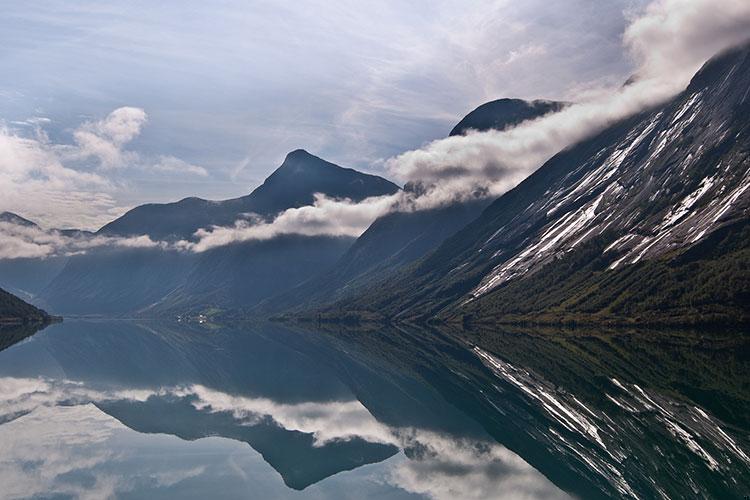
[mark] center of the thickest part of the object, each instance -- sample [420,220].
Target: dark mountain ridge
[15,311]
[397,239]
[293,184]
[154,281]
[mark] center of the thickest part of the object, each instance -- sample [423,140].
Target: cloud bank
[18,242]
[668,43]
[325,217]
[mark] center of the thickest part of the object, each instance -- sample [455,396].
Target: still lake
[97,409]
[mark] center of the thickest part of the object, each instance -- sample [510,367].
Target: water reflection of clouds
[65,442]
[66,451]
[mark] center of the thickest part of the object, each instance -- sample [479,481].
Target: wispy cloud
[668,42]
[104,139]
[76,184]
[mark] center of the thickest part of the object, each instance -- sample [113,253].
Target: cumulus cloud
[18,241]
[668,42]
[326,216]
[104,139]
[75,185]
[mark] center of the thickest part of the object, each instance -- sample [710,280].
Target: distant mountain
[400,238]
[504,113]
[645,222]
[293,184]
[154,281]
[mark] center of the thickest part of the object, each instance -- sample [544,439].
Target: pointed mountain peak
[303,174]
[299,154]
[300,161]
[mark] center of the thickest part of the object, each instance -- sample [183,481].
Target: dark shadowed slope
[582,238]
[18,319]
[125,281]
[400,238]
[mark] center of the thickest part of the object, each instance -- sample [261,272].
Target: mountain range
[644,222]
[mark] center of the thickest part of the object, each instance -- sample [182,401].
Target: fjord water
[169,410]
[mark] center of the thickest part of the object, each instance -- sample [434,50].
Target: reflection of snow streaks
[618,434]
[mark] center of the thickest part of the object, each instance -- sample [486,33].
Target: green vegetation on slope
[707,283]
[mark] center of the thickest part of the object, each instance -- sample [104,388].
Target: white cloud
[526,51]
[76,185]
[18,241]
[104,139]
[171,164]
[326,216]
[668,42]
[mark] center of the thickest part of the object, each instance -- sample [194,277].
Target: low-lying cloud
[18,241]
[325,217]
[668,43]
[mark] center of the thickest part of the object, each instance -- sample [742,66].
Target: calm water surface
[99,409]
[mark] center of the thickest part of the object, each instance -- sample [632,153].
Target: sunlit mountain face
[167,409]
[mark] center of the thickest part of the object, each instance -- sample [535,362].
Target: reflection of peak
[293,454]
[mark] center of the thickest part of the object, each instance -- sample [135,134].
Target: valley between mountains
[645,222]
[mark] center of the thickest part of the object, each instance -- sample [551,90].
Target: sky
[107,105]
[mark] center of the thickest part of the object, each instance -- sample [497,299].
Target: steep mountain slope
[123,281]
[642,192]
[400,238]
[239,276]
[293,184]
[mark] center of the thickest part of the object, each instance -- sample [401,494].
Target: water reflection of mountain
[12,334]
[629,413]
